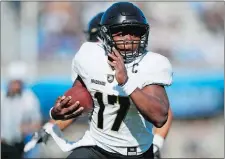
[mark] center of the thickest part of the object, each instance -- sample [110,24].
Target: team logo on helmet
[110,78]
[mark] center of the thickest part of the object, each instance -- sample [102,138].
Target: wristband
[129,86]
[158,141]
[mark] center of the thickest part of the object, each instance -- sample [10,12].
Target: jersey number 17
[124,103]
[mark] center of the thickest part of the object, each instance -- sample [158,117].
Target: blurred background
[46,35]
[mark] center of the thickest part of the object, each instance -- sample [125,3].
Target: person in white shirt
[20,112]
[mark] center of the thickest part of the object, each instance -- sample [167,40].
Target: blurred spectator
[212,15]
[59,29]
[16,6]
[20,112]
[187,32]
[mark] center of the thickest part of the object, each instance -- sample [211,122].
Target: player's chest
[103,79]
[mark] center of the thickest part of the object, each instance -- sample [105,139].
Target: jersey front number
[124,104]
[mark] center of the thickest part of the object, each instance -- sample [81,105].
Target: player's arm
[160,135]
[151,100]
[62,124]
[153,104]
[163,131]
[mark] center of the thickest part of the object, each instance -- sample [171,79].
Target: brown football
[81,94]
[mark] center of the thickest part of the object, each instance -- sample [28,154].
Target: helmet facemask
[129,55]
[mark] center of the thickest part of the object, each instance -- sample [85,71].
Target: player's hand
[118,64]
[65,109]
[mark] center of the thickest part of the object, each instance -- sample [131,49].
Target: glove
[158,142]
[40,136]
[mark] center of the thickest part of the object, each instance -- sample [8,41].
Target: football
[82,95]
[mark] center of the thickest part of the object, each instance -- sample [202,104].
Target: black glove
[157,154]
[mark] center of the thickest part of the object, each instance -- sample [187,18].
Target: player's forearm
[163,131]
[62,124]
[150,107]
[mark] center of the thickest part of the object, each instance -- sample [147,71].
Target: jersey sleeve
[162,73]
[79,56]
[74,70]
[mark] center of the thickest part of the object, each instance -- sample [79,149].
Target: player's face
[126,40]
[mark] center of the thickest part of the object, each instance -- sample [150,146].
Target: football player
[129,98]
[93,28]
[42,135]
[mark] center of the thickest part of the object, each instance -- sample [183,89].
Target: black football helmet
[93,28]
[126,18]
